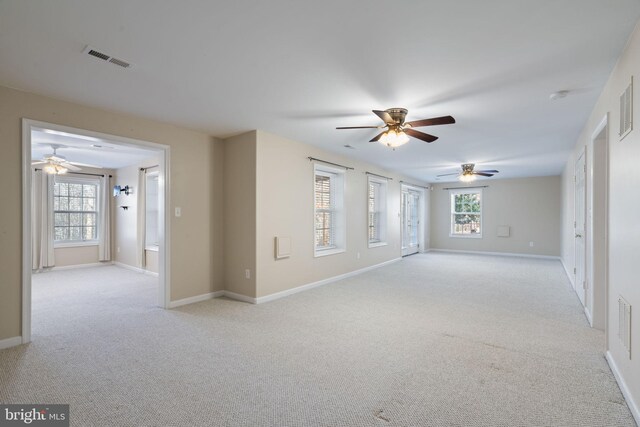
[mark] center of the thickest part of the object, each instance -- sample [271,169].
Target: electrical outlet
[358,255]
[178,211]
[247,274]
[118,249]
[531,244]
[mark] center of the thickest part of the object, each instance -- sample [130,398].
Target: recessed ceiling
[299,69]
[87,150]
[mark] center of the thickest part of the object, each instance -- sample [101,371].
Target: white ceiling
[88,150]
[299,69]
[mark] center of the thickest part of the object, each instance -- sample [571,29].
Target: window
[466,213]
[329,210]
[377,211]
[75,205]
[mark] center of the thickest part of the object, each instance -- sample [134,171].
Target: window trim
[451,213]
[80,243]
[339,220]
[383,209]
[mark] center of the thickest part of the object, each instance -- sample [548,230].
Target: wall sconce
[118,190]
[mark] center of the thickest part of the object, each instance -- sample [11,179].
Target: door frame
[421,215]
[164,273]
[598,291]
[579,288]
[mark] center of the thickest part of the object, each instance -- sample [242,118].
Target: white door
[410,221]
[580,244]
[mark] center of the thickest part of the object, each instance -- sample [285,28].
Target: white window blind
[325,206]
[376,211]
[329,220]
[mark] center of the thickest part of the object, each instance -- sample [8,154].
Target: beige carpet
[433,340]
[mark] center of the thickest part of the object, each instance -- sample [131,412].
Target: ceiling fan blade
[482,173]
[420,135]
[84,165]
[360,127]
[386,117]
[449,174]
[377,137]
[38,163]
[489,171]
[445,120]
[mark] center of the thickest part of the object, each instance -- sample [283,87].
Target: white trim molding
[509,254]
[78,266]
[197,298]
[569,275]
[633,407]
[136,269]
[302,288]
[10,342]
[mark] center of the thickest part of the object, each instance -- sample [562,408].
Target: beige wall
[530,206]
[240,213]
[151,261]
[624,205]
[195,185]
[76,255]
[285,208]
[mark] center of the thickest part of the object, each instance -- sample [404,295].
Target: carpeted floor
[434,340]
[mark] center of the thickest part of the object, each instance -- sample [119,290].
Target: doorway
[580,228]
[411,215]
[91,188]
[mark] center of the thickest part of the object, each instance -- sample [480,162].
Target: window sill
[75,244]
[466,236]
[377,244]
[325,252]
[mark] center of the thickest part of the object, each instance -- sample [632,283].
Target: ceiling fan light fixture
[467,177]
[394,138]
[53,169]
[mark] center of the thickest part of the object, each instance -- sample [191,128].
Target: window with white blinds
[328,210]
[377,211]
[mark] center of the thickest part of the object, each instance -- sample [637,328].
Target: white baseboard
[633,407]
[587,313]
[74,267]
[511,254]
[277,295]
[137,269]
[197,298]
[569,275]
[10,342]
[308,286]
[240,297]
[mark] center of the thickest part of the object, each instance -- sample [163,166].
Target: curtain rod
[462,188]
[414,185]
[379,176]
[329,163]
[149,167]
[83,173]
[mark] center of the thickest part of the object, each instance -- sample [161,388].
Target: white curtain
[42,254]
[104,222]
[142,214]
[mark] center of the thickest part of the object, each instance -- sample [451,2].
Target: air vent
[105,57]
[624,324]
[626,110]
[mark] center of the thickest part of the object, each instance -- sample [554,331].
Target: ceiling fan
[468,174]
[57,164]
[398,129]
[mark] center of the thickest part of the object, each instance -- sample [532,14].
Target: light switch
[178,211]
